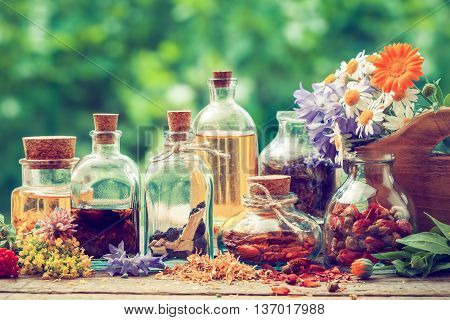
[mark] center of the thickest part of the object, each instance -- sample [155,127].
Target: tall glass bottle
[105,192]
[46,171]
[291,153]
[178,196]
[229,128]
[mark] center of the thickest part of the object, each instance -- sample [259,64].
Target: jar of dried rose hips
[291,153]
[270,230]
[368,213]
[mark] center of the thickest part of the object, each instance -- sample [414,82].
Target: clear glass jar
[368,213]
[178,198]
[105,193]
[229,128]
[259,237]
[291,153]
[45,180]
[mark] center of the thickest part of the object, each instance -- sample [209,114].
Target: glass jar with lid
[368,213]
[46,171]
[105,192]
[270,230]
[178,196]
[227,127]
[291,153]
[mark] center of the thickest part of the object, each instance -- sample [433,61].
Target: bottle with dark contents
[262,235]
[178,196]
[291,153]
[105,192]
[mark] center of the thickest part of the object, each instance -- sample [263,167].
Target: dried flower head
[201,268]
[59,224]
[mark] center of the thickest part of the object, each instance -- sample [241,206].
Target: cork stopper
[106,121]
[276,184]
[105,124]
[179,121]
[49,148]
[222,78]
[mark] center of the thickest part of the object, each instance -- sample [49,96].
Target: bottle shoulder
[229,117]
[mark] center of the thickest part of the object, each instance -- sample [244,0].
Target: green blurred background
[166,51]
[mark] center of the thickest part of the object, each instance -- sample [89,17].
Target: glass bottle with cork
[270,231]
[105,192]
[46,171]
[178,195]
[226,126]
[291,153]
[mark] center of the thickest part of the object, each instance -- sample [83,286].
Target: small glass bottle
[178,196]
[368,213]
[261,235]
[46,171]
[291,153]
[229,128]
[105,192]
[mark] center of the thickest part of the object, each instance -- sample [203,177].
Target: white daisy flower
[402,116]
[367,66]
[353,68]
[368,117]
[356,97]
[340,142]
[401,100]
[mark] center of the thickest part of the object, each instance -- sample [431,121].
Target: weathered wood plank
[379,286]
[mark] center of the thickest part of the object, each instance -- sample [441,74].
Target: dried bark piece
[192,225]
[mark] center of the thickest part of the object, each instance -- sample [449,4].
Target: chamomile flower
[353,68]
[368,68]
[339,140]
[403,115]
[403,99]
[356,97]
[368,118]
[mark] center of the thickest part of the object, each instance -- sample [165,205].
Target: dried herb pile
[225,267]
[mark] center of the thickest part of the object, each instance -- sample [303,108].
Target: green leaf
[403,269]
[444,228]
[393,255]
[447,100]
[2,218]
[420,260]
[430,263]
[427,241]
[440,266]
[412,250]
[439,96]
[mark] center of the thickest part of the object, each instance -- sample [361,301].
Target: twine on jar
[267,202]
[184,146]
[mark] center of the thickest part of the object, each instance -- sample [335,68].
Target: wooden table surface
[104,287]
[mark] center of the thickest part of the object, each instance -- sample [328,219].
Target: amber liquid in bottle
[230,175]
[28,207]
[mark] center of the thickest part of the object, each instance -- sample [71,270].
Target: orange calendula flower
[397,67]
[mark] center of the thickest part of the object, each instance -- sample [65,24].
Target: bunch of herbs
[423,253]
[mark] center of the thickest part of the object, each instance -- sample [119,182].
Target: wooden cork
[276,184]
[179,121]
[54,152]
[222,78]
[106,121]
[105,124]
[49,148]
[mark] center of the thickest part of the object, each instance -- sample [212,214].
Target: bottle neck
[222,94]
[106,143]
[32,177]
[287,128]
[372,173]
